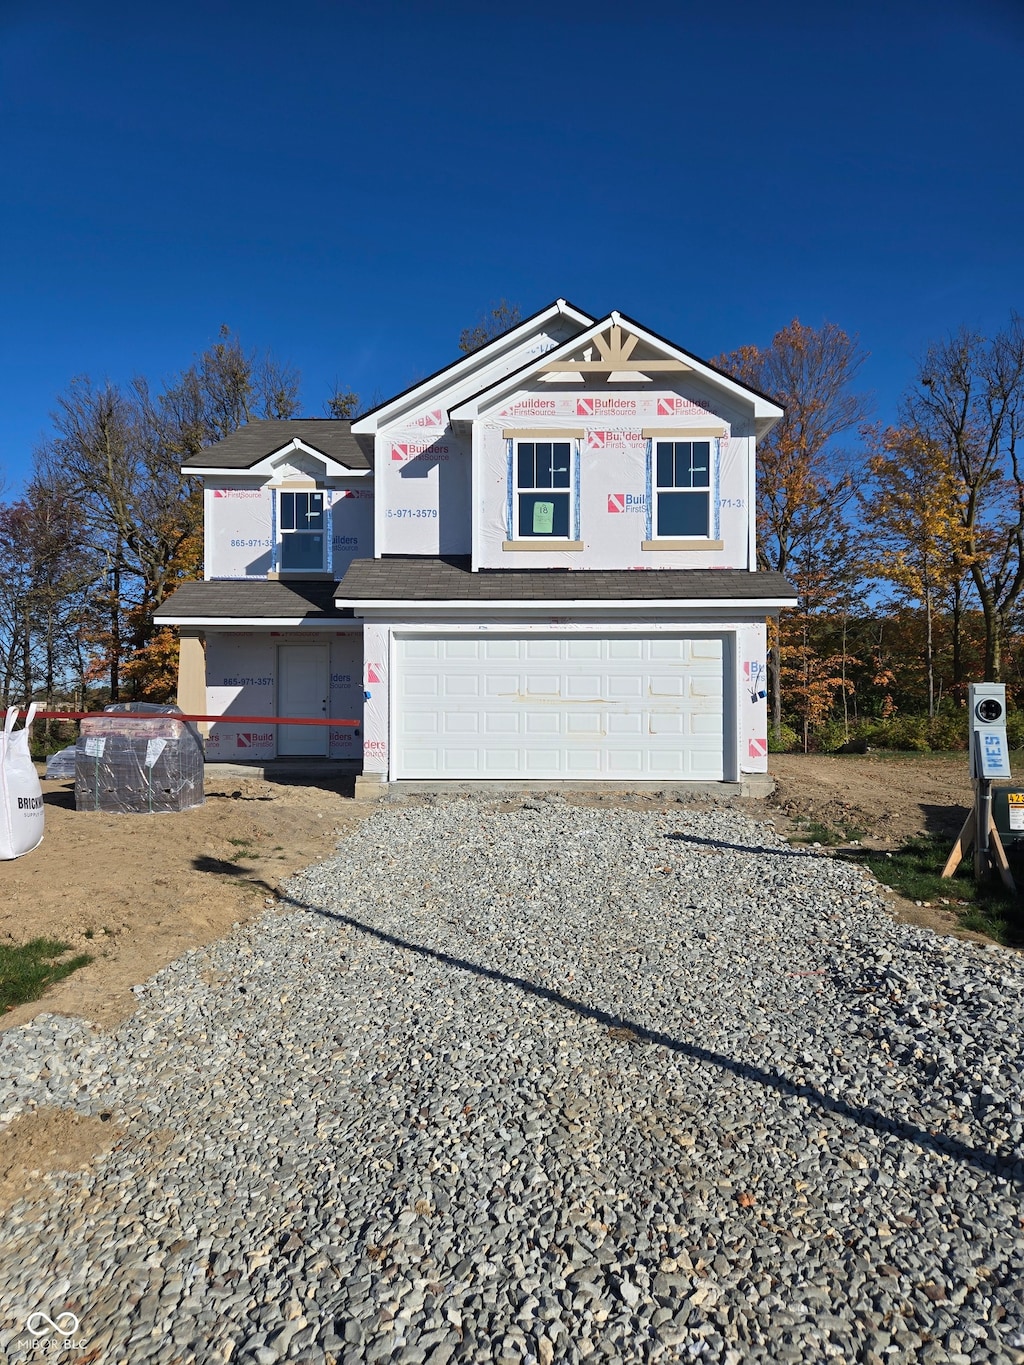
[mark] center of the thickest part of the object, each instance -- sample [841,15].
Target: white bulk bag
[21,797]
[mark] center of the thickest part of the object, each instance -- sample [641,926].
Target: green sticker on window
[543,518]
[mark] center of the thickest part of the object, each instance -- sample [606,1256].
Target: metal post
[983,819]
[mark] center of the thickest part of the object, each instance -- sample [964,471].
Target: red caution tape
[120,716]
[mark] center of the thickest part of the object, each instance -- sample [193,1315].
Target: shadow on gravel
[864,1117]
[742,848]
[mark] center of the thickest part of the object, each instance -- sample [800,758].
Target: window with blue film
[682,489]
[301,522]
[543,488]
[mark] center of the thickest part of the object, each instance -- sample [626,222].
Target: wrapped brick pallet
[137,760]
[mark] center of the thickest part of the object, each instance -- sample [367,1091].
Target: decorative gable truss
[614,421]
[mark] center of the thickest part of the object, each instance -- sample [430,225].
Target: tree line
[904,543]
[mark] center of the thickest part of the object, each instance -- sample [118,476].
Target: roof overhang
[641,606]
[268,464]
[420,394]
[615,362]
[332,623]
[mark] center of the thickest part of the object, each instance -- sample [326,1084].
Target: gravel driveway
[532,1082]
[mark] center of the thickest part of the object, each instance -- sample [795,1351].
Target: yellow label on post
[1015,805]
[543,518]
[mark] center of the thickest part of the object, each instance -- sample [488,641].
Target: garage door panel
[540,651]
[585,688]
[603,706]
[542,685]
[585,649]
[668,684]
[624,689]
[461,685]
[540,723]
[503,722]
[420,685]
[461,723]
[629,647]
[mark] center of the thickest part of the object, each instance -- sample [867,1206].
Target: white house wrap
[539,562]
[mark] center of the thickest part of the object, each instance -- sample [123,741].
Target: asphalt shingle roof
[307,600]
[256,440]
[417,579]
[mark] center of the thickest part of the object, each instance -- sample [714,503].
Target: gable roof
[766,410]
[458,369]
[330,437]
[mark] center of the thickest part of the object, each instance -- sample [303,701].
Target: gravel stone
[537,1081]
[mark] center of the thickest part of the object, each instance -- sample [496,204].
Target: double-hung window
[543,489]
[682,489]
[303,531]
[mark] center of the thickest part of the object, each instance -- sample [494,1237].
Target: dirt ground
[884,800]
[137,891]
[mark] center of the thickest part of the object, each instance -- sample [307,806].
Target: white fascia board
[766,414]
[269,462]
[266,466]
[255,623]
[631,606]
[459,375]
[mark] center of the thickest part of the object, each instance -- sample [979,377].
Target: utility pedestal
[989,758]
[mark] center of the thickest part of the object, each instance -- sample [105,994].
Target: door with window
[303,682]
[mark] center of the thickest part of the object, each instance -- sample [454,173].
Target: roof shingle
[241,598]
[256,440]
[449,578]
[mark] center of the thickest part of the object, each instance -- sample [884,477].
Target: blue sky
[351,185]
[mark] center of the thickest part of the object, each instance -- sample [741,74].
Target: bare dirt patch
[136,891]
[890,797]
[45,1140]
[887,800]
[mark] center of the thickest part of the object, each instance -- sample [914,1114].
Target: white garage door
[572,706]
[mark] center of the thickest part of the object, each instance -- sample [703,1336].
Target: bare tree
[969,400]
[503,316]
[342,403]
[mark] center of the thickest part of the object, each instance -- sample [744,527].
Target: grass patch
[27,971]
[913,871]
[814,832]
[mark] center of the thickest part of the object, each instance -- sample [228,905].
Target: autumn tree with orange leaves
[804,489]
[919,547]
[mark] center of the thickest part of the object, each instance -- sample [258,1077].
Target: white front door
[302,690]
[588,705]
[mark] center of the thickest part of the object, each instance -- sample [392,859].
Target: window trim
[712,540]
[517,538]
[280,534]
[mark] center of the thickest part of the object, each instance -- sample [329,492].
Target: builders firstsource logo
[252,739]
[672,406]
[626,502]
[418,450]
[606,407]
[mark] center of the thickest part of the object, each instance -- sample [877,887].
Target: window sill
[301,573]
[542,543]
[682,545]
